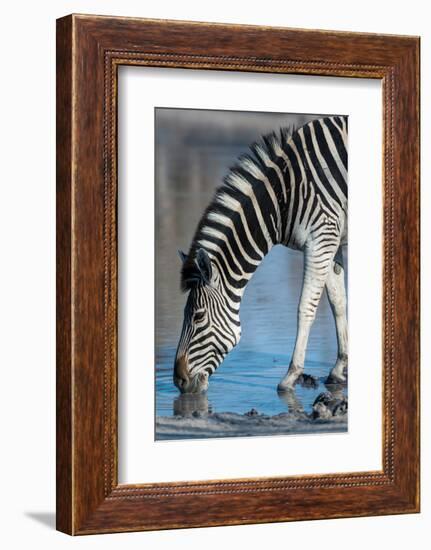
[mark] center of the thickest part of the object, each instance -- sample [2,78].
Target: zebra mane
[266,149]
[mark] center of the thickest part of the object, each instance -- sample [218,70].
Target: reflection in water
[292,402]
[194,150]
[191,403]
[336,390]
[330,404]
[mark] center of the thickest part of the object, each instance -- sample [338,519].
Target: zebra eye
[199,316]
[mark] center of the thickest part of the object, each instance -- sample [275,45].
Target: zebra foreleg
[316,268]
[336,292]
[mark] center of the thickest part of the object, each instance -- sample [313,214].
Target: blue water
[191,158]
[247,380]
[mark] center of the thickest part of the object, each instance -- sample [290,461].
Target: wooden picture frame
[89,51]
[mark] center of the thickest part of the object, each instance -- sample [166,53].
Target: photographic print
[251,273]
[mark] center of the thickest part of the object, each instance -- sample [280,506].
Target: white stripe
[313,170]
[208,245]
[270,164]
[233,204]
[227,222]
[222,236]
[342,130]
[325,167]
[255,171]
[246,188]
[334,150]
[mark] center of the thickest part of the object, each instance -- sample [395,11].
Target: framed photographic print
[237,274]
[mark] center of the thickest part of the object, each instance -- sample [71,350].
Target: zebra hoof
[292,376]
[338,375]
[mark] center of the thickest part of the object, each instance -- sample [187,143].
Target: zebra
[289,189]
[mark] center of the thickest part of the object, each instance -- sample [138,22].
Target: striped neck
[245,219]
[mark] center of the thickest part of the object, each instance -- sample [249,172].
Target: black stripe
[329,186]
[264,200]
[339,143]
[329,159]
[297,179]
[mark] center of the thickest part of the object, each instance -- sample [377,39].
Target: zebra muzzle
[181,374]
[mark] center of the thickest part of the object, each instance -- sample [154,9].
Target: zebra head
[211,327]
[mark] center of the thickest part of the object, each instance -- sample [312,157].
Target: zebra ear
[203,263]
[182,255]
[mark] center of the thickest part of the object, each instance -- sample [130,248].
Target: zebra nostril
[181,372]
